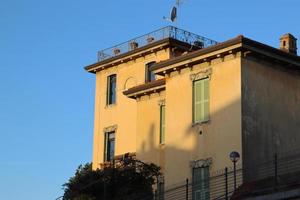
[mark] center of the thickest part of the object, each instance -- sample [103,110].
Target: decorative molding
[110,128]
[201,163]
[130,82]
[203,73]
[162,102]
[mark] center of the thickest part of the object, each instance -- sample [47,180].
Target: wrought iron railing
[278,173]
[220,187]
[166,32]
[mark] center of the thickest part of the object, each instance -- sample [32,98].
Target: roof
[170,34]
[147,88]
[142,51]
[245,44]
[239,43]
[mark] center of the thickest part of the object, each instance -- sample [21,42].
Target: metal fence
[166,32]
[278,173]
[220,186]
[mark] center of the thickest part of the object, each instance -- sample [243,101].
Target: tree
[126,179]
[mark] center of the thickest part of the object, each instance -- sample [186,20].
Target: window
[150,76]
[109,146]
[200,185]
[111,89]
[201,100]
[161,190]
[162,124]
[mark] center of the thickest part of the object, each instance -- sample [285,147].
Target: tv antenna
[173,13]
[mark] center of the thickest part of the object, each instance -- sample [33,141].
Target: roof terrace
[166,32]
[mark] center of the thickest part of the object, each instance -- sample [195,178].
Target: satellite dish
[173,14]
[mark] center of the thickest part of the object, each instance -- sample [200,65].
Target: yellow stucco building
[175,99]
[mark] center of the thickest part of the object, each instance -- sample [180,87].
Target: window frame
[161,190]
[201,186]
[107,157]
[149,74]
[162,124]
[205,117]
[110,100]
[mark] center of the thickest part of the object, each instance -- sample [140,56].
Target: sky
[47,98]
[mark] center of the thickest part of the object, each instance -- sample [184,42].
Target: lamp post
[234,157]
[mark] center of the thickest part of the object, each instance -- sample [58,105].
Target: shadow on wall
[226,131]
[212,141]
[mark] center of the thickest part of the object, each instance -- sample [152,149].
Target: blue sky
[46,98]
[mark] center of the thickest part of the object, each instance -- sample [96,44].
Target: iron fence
[166,32]
[220,186]
[277,173]
[281,172]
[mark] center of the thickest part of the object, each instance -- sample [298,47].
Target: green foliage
[129,179]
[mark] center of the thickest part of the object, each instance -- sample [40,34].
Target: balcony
[163,33]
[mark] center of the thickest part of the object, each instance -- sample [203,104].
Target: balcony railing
[166,32]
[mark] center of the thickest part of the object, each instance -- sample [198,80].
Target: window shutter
[201,100]
[205,100]
[162,124]
[197,101]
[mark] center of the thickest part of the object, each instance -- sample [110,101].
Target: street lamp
[234,157]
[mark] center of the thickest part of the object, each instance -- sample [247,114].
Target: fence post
[276,170]
[226,183]
[187,189]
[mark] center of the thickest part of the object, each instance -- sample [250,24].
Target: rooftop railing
[166,32]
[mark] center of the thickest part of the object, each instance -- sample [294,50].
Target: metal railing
[281,171]
[219,187]
[278,173]
[166,32]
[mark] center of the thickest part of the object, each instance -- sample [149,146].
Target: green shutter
[200,183]
[197,101]
[162,125]
[205,100]
[201,100]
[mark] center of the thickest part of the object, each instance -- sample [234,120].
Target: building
[184,102]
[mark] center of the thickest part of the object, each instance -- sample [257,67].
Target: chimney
[288,43]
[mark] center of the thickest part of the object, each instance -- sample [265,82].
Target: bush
[129,179]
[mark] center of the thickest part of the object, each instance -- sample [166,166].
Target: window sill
[110,106]
[162,144]
[200,123]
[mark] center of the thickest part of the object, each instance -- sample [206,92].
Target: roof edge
[149,87]
[240,39]
[167,41]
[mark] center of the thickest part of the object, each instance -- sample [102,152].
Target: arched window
[149,76]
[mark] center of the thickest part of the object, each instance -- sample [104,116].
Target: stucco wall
[148,129]
[124,112]
[138,121]
[270,112]
[220,136]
